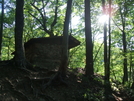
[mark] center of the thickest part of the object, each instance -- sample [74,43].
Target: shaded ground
[22,85]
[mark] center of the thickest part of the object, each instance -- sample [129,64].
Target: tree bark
[125,69]
[107,91]
[88,39]
[109,48]
[19,23]
[64,58]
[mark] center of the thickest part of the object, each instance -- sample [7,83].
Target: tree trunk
[88,39]
[64,58]
[125,69]
[1,27]
[109,48]
[107,55]
[19,23]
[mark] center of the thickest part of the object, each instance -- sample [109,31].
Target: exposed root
[57,79]
[8,88]
[3,63]
[23,64]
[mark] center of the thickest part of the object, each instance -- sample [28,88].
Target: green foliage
[77,55]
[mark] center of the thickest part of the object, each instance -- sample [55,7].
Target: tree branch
[98,51]
[44,5]
[36,18]
[55,17]
[43,19]
[117,25]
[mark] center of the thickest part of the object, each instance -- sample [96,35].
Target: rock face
[46,52]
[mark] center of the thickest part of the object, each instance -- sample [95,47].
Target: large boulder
[46,52]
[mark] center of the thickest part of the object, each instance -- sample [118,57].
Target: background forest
[112,34]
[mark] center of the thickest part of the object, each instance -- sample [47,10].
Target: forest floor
[22,85]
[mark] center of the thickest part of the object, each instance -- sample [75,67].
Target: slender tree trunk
[105,44]
[88,39]
[132,73]
[130,66]
[19,23]
[64,61]
[109,49]
[98,51]
[1,27]
[107,55]
[125,69]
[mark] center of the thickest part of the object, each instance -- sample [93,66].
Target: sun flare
[103,18]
